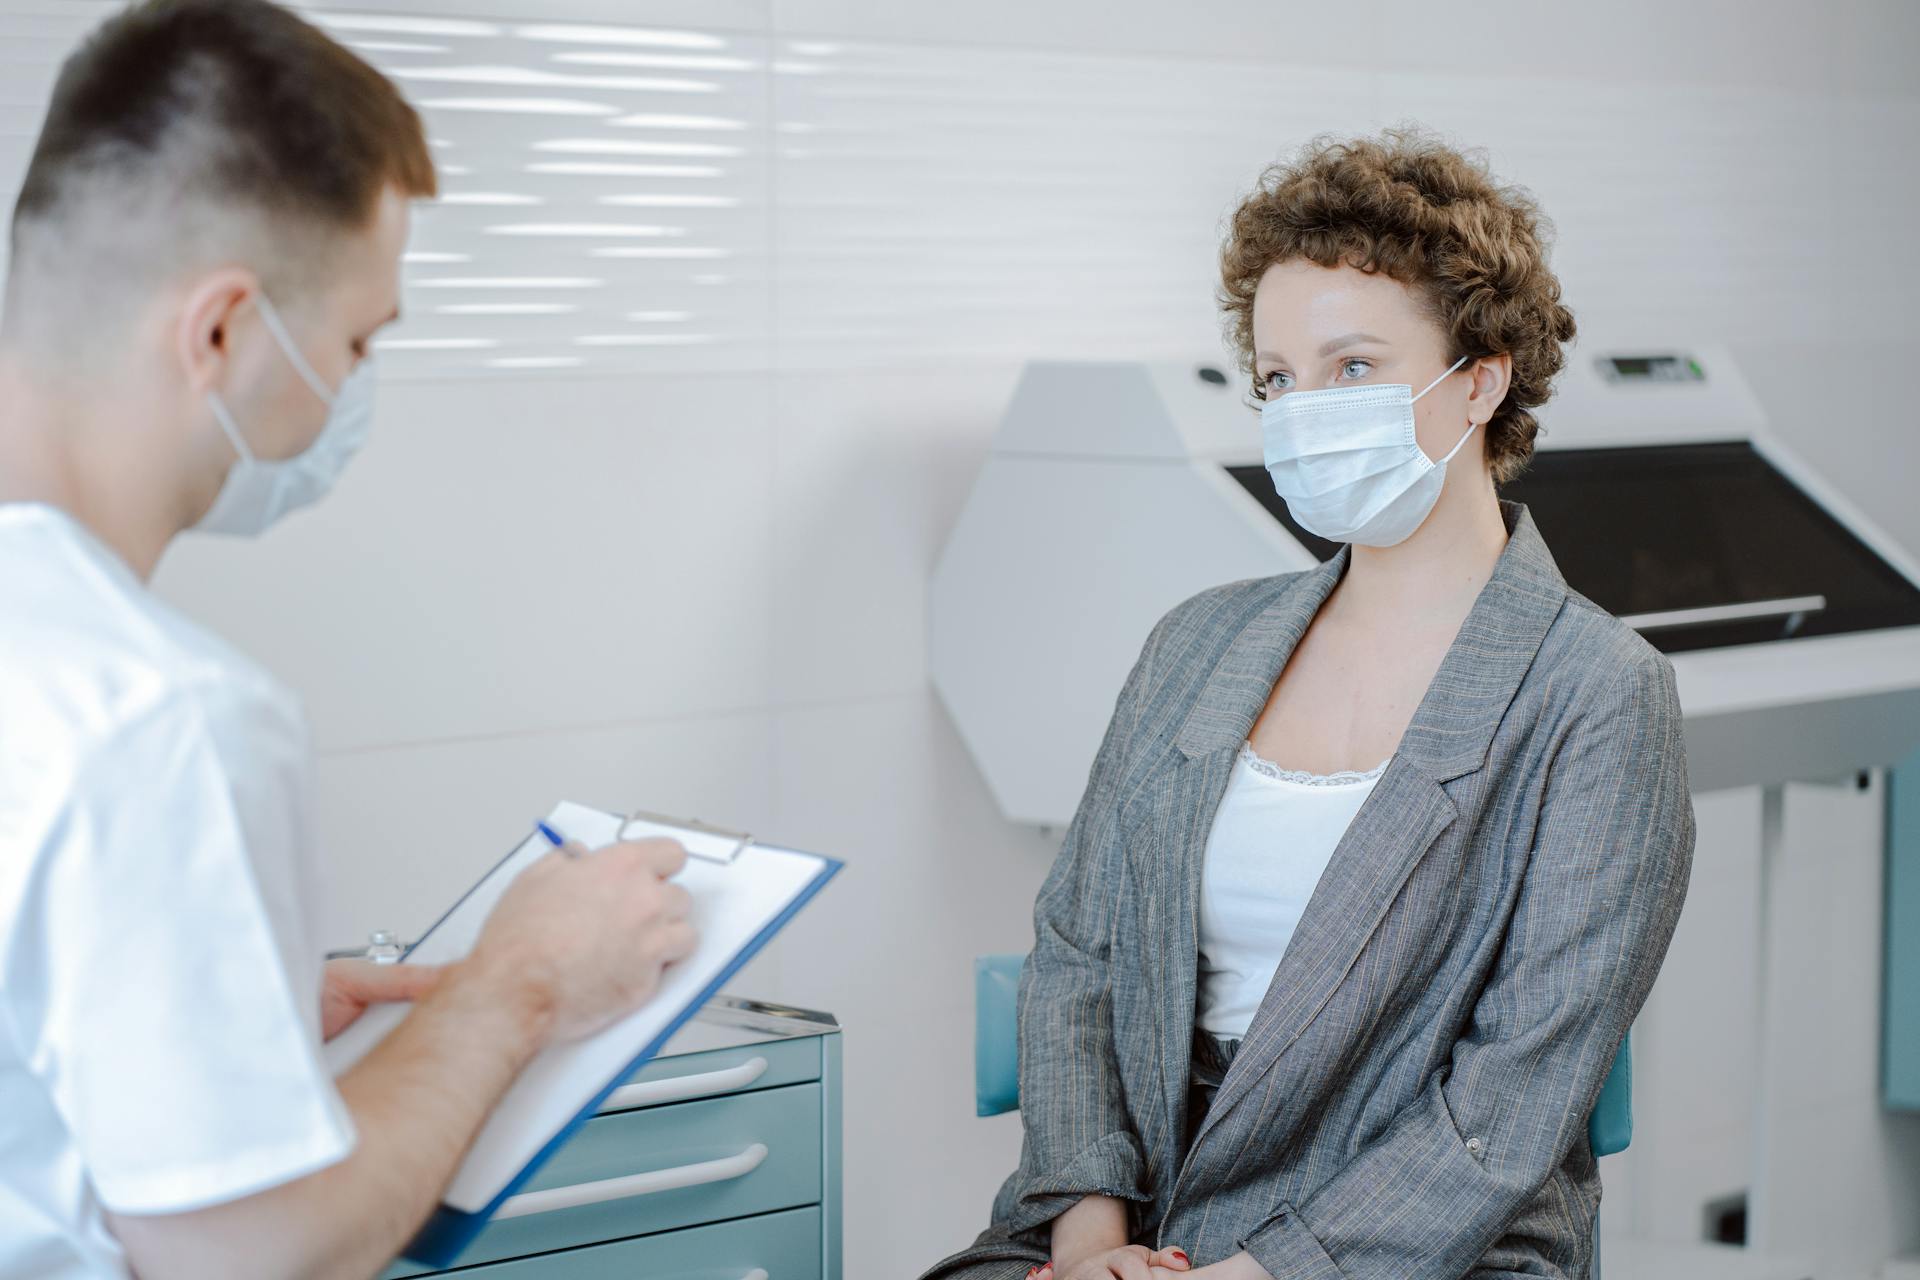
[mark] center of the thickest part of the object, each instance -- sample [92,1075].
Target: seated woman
[1378,860]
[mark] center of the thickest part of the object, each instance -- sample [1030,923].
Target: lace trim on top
[1345,777]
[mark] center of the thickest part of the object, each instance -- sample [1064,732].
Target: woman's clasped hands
[1137,1262]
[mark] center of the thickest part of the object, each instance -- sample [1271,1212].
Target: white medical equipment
[1114,491]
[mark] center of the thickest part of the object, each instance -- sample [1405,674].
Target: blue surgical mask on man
[258,492]
[1348,463]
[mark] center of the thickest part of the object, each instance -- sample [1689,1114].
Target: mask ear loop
[1443,377]
[1470,426]
[222,416]
[271,316]
[1456,448]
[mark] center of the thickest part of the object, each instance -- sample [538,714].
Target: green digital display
[1652,368]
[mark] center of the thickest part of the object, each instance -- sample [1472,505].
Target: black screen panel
[1668,527]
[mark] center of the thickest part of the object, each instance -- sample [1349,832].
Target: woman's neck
[1435,574]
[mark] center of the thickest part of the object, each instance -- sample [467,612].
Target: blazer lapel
[1187,798]
[1408,809]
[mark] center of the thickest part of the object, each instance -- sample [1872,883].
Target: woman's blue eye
[1355,368]
[1277,373]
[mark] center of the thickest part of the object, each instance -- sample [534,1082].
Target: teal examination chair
[996,1065]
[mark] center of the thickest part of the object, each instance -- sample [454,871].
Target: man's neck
[85,454]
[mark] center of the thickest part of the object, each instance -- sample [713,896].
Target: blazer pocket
[1475,1145]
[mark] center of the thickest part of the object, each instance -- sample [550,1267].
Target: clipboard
[744,893]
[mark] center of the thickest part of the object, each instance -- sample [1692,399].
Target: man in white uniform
[208,236]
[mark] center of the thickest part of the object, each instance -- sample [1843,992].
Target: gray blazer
[1412,1097]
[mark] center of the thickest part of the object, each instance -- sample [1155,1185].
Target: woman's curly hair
[1435,220]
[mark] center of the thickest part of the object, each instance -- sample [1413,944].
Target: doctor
[208,236]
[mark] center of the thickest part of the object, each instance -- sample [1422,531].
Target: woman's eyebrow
[1345,340]
[1349,340]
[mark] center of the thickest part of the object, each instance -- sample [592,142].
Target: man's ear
[203,334]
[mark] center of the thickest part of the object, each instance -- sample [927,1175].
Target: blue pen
[554,837]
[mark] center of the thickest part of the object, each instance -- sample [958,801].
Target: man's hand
[580,939]
[353,985]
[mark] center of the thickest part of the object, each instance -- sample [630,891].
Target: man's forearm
[417,1100]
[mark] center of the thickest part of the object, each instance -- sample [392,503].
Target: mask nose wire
[313,380]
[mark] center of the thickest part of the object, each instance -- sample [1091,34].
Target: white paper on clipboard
[734,903]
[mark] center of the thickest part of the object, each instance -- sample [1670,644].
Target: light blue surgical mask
[1347,461]
[256,492]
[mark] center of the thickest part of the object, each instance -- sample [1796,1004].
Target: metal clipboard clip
[701,840]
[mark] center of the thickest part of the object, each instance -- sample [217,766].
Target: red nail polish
[1178,1254]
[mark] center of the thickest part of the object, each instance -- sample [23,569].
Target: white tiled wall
[672,551]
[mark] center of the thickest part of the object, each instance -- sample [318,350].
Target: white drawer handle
[680,1088]
[634,1184]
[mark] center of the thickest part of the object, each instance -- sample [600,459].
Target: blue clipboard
[448,1230]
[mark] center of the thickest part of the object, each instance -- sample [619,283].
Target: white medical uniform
[159,981]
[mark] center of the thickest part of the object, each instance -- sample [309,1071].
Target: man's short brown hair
[1406,204]
[191,108]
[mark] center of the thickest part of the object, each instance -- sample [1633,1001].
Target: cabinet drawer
[719,1071]
[763,1152]
[782,1246]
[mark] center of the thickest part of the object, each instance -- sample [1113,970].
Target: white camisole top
[1272,838]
